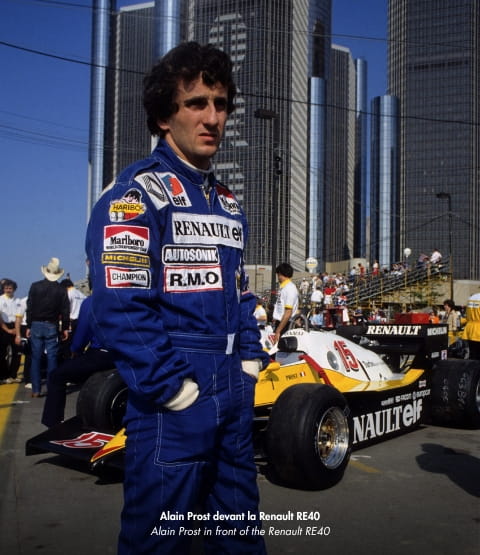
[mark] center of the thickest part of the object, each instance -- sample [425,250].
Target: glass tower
[434,70]
[340,156]
[361,200]
[384,224]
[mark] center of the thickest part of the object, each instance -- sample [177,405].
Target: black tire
[307,438]
[456,393]
[102,401]
[458,349]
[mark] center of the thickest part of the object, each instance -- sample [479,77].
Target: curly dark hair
[9,283]
[449,303]
[185,63]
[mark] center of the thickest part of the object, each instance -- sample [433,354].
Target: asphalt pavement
[418,494]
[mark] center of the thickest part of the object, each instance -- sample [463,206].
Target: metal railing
[377,288]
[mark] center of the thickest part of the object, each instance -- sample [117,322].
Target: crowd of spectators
[325,299]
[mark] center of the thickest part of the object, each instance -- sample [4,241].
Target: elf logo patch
[175,190]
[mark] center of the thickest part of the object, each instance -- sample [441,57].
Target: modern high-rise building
[384,158]
[338,216]
[434,71]
[259,158]
[131,55]
[361,195]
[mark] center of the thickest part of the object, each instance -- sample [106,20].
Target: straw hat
[52,270]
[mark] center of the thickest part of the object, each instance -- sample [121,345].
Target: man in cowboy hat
[48,312]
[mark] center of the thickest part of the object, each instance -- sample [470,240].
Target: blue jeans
[43,337]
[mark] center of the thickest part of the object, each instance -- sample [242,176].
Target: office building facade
[384,182]
[361,210]
[434,71]
[338,216]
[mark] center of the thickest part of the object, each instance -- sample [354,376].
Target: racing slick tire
[456,392]
[102,401]
[308,441]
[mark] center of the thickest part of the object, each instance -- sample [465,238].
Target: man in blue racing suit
[165,246]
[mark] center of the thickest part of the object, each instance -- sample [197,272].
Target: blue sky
[44,119]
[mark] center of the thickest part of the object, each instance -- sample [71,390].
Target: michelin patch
[127,208]
[116,276]
[126,259]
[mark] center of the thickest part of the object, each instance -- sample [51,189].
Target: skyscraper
[338,217]
[361,200]
[125,44]
[434,70]
[131,54]
[384,225]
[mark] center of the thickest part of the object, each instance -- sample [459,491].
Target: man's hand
[185,397]
[282,324]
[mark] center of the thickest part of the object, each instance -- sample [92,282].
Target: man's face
[8,290]
[195,131]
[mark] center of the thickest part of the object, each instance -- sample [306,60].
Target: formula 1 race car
[326,393]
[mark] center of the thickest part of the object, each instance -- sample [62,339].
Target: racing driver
[165,246]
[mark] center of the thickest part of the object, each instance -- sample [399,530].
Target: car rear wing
[427,342]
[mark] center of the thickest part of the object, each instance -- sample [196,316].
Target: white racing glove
[252,367]
[185,397]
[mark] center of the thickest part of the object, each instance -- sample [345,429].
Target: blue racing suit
[170,301]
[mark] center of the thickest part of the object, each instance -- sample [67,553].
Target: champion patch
[127,277]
